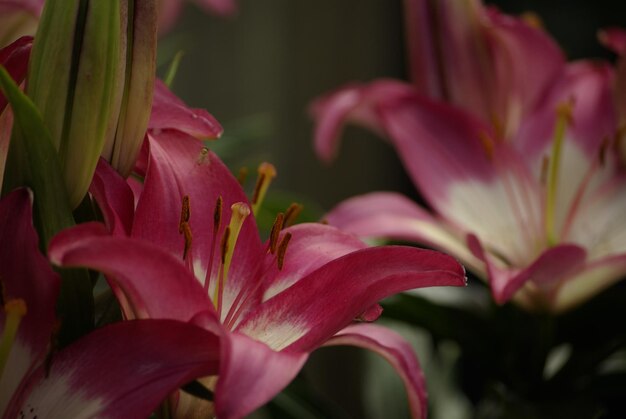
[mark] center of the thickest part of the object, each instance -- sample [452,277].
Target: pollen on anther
[184,213]
[186,231]
[224,244]
[282,248]
[275,232]
[292,214]
[217,213]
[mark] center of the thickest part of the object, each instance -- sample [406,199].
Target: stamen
[532,19]
[217,222]
[282,248]
[602,152]
[242,176]
[184,213]
[219,289]
[564,119]
[292,214]
[15,309]
[275,232]
[267,172]
[186,230]
[229,241]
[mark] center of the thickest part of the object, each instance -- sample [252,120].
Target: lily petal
[311,246]
[123,370]
[14,58]
[114,197]
[156,283]
[171,113]
[393,216]
[312,310]
[554,264]
[24,274]
[251,374]
[397,351]
[353,103]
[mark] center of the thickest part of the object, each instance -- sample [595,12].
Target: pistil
[564,118]
[14,310]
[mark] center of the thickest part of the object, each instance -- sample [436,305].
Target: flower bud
[72,80]
[136,84]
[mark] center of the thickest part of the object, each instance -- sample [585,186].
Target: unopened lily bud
[135,90]
[73,79]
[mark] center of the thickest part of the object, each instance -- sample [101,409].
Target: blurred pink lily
[272,303]
[537,212]
[121,370]
[171,9]
[476,58]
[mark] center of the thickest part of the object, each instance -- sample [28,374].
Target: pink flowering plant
[521,169]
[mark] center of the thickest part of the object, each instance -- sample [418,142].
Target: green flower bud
[72,79]
[137,72]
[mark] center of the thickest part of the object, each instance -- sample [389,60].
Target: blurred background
[257,73]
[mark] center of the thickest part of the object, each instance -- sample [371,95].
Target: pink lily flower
[536,212]
[476,58]
[271,303]
[122,370]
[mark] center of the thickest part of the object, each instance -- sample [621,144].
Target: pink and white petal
[156,284]
[598,224]
[114,197]
[548,268]
[169,113]
[123,370]
[313,309]
[595,277]
[312,245]
[437,143]
[517,91]
[14,58]
[397,351]
[355,103]
[24,274]
[393,216]
[588,87]
[181,166]
[251,374]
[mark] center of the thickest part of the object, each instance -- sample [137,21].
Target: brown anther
[242,175]
[257,188]
[292,214]
[603,150]
[532,19]
[498,126]
[323,221]
[224,244]
[186,231]
[488,144]
[184,214]
[565,110]
[275,232]
[543,175]
[217,213]
[282,248]
[203,158]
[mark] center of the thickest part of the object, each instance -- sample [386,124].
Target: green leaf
[32,162]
